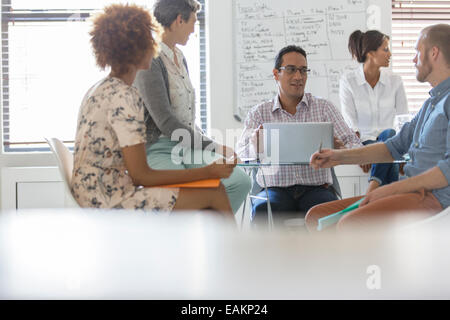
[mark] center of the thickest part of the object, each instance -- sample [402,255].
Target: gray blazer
[153,86]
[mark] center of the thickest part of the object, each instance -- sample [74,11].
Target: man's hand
[401,168]
[326,158]
[338,144]
[365,167]
[379,193]
[257,139]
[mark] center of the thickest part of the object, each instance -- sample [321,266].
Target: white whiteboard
[320,27]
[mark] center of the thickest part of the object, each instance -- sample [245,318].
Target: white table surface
[81,254]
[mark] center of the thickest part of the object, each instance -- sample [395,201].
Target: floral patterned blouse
[111,117]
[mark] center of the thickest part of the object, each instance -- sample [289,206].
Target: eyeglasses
[293,69]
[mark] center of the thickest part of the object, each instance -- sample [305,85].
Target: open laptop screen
[295,142]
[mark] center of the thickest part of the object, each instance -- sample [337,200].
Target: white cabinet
[42,187]
[363,184]
[352,180]
[32,187]
[43,194]
[349,186]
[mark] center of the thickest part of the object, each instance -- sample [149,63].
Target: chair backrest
[65,164]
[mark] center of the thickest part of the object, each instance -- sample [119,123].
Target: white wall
[220,59]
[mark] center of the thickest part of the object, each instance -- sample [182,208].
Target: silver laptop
[295,142]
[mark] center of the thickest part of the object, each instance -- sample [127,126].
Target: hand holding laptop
[338,143]
[365,167]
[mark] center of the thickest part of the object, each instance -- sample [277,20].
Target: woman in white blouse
[170,99]
[371,96]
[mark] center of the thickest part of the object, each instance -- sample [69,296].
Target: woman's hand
[219,170]
[326,158]
[226,152]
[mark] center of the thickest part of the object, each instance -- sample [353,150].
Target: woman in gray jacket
[170,99]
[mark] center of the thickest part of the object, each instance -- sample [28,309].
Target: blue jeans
[383,173]
[289,202]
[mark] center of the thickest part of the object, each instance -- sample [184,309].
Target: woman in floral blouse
[110,164]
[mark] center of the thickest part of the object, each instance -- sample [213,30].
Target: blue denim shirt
[427,139]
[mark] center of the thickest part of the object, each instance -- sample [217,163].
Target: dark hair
[282,52]
[167,11]
[360,43]
[438,35]
[122,35]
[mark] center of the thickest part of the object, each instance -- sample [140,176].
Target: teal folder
[334,217]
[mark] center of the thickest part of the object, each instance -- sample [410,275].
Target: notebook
[335,217]
[295,142]
[206,183]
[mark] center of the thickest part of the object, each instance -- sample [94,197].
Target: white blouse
[371,110]
[181,91]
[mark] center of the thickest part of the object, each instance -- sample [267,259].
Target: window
[408,18]
[48,66]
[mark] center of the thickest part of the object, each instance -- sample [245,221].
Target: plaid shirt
[310,109]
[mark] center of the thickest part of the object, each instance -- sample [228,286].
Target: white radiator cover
[43,187]
[32,187]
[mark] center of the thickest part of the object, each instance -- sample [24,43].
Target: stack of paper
[207,183]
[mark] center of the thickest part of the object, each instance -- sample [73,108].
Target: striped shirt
[310,109]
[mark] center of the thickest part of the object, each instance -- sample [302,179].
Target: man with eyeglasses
[292,189]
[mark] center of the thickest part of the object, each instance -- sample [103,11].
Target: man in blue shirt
[427,141]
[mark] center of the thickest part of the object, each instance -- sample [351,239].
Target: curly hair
[122,35]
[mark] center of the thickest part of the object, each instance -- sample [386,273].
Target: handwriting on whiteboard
[320,27]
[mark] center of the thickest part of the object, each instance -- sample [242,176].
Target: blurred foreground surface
[84,254]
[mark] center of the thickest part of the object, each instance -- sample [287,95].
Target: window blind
[202,96]
[408,18]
